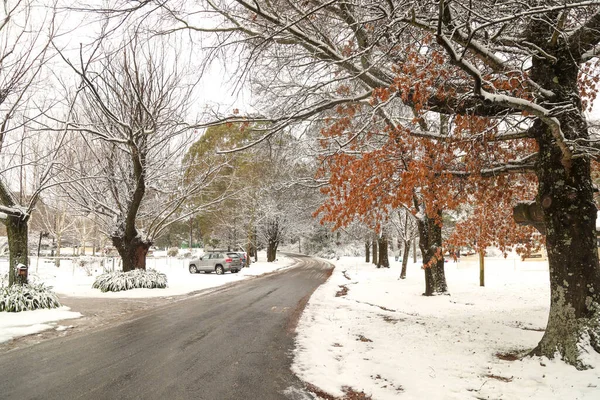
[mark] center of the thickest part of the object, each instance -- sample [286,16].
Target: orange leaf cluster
[589,77]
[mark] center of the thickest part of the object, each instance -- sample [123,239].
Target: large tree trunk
[430,242]
[16,229]
[272,250]
[565,194]
[383,260]
[273,236]
[367,251]
[132,251]
[405,259]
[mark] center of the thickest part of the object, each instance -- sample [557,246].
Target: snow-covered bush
[18,298]
[138,278]
[173,251]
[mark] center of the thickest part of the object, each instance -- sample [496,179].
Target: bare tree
[24,51]
[54,217]
[129,138]
[405,226]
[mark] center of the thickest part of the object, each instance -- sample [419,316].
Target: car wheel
[193,269]
[219,270]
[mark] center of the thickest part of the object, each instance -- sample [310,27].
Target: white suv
[218,262]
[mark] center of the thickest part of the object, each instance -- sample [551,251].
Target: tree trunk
[132,251]
[374,247]
[255,245]
[430,242]
[383,260]
[191,232]
[58,245]
[565,193]
[272,250]
[16,229]
[481,268]
[415,251]
[367,251]
[250,240]
[405,259]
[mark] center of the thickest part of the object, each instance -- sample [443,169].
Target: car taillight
[228,260]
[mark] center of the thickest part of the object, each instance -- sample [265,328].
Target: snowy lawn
[386,339]
[73,280]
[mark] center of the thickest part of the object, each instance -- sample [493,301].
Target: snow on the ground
[386,339]
[73,280]
[29,322]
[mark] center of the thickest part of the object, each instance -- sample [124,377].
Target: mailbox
[22,270]
[21,273]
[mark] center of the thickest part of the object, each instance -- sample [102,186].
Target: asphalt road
[235,343]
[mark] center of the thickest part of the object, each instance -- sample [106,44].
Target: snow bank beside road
[29,322]
[77,281]
[386,339]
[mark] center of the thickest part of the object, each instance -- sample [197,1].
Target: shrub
[138,278]
[87,263]
[18,298]
[173,251]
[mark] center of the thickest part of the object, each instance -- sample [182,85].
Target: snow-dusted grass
[136,279]
[385,338]
[30,297]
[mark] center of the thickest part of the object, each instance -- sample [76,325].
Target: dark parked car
[243,257]
[219,262]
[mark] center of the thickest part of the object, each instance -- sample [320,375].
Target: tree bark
[272,250]
[132,251]
[481,268]
[374,247]
[273,236]
[565,192]
[367,251]
[255,246]
[415,251]
[430,242]
[16,229]
[383,259]
[405,259]
[58,245]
